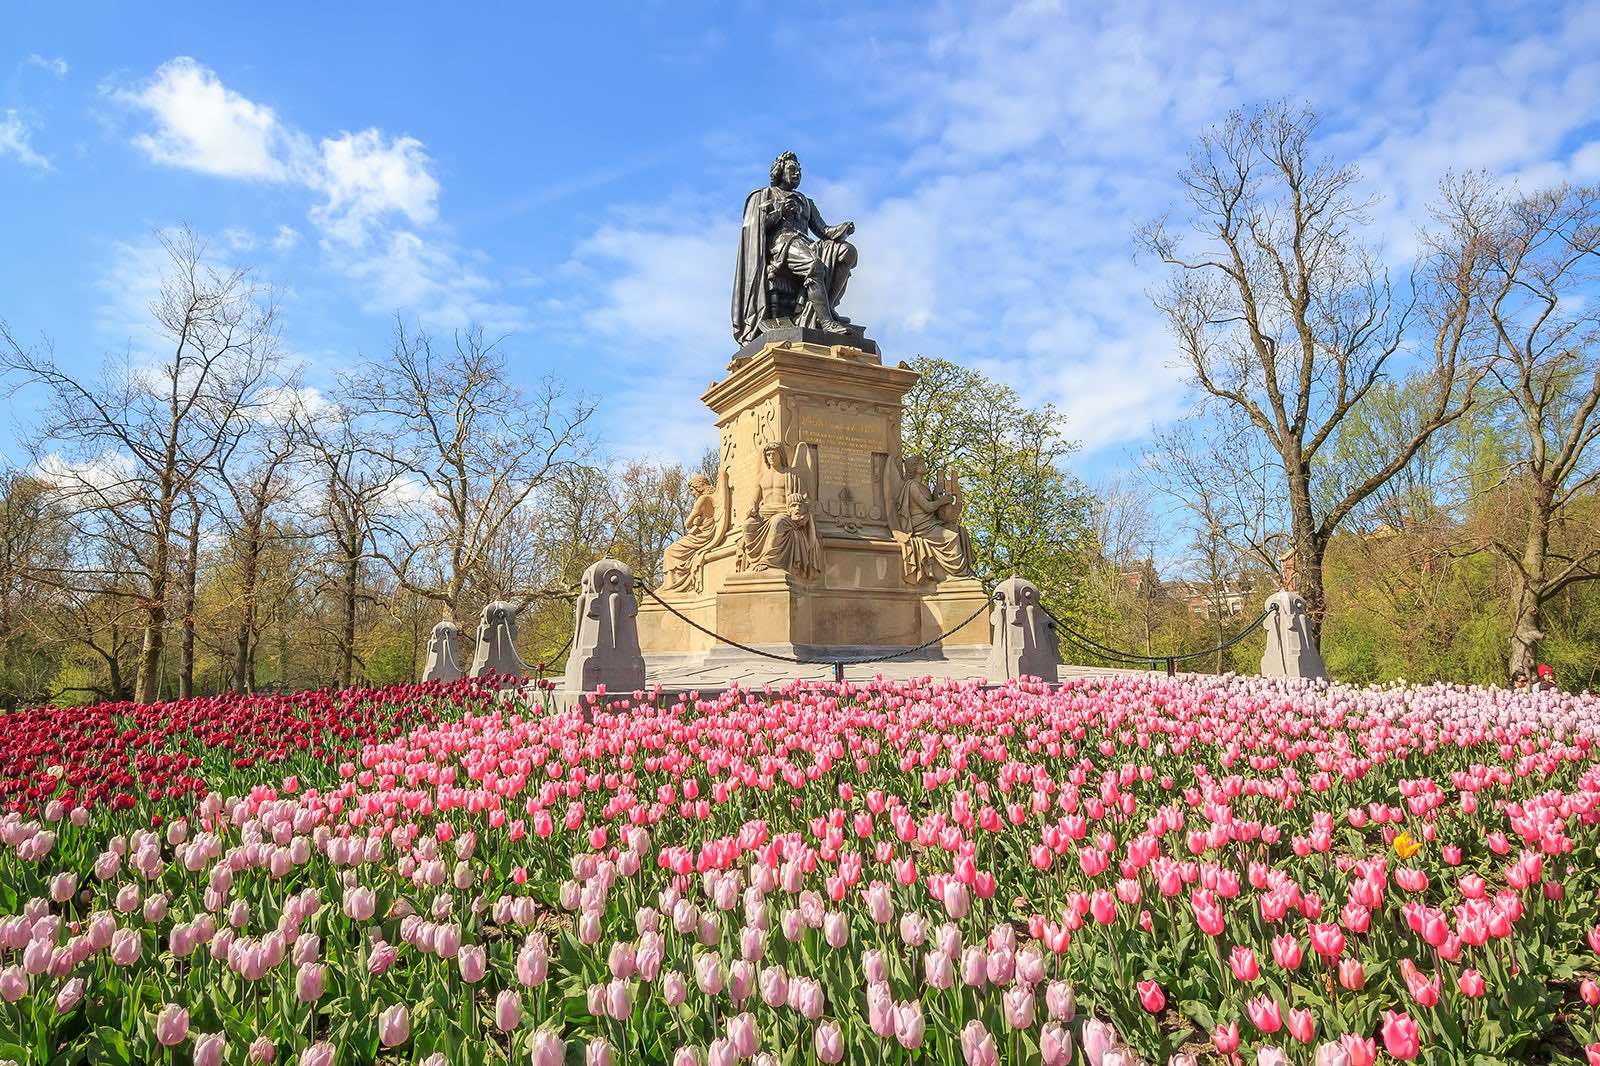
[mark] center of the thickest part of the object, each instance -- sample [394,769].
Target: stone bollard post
[496,652]
[1290,651]
[1022,637]
[444,654]
[605,641]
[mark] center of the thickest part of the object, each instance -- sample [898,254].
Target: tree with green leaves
[1027,514]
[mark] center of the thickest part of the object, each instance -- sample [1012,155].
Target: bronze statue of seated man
[793,266]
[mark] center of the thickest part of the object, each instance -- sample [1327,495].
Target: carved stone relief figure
[779,531]
[705,528]
[927,522]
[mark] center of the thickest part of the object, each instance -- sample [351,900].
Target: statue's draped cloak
[750,272]
[752,313]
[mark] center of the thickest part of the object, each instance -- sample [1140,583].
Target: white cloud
[366,177]
[55,65]
[664,285]
[239,238]
[15,139]
[400,269]
[108,473]
[203,125]
[377,200]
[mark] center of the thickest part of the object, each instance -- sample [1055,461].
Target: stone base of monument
[832,413]
[779,613]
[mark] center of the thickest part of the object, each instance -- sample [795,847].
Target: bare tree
[475,448]
[1284,315]
[652,501]
[126,451]
[353,494]
[1543,265]
[254,472]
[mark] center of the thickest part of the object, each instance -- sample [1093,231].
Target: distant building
[1233,597]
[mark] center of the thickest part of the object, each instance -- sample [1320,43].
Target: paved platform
[710,672]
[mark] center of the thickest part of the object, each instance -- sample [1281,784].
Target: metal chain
[1112,653]
[837,664]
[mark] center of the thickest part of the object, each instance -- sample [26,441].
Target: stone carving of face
[789,178]
[699,485]
[772,454]
[916,466]
[799,507]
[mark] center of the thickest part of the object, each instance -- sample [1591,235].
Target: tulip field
[1117,870]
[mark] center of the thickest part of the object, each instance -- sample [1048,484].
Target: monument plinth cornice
[814,368]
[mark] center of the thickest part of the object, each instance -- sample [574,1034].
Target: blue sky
[572,174]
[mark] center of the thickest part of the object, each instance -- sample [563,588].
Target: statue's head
[799,506]
[772,454]
[916,466]
[699,484]
[785,172]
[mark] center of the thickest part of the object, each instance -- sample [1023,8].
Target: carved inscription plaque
[847,436]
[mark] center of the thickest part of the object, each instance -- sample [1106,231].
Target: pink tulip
[978,1047]
[172,1025]
[1401,1036]
[1098,1038]
[71,995]
[209,1049]
[13,983]
[548,1048]
[508,1011]
[1264,1014]
[310,982]
[1055,1045]
[742,1034]
[319,1054]
[829,1043]
[472,962]
[394,1025]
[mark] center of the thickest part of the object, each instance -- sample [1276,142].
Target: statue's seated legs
[810,280]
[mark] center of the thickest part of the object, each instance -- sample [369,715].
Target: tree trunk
[243,672]
[347,631]
[191,577]
[147,687]
[1528,587]
[1309,547]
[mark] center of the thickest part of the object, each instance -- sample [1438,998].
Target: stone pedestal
[835,410]
[1024,637]
[1290,651]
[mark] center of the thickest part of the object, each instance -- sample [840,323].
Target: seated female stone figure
[933,543]
[683,564]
